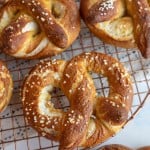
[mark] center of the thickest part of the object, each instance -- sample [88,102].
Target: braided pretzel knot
[37,28]
[77,127]
[124,23]
[6,86]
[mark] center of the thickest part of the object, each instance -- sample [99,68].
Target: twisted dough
[6,86]
[91,119]
[38,28]
[124,23]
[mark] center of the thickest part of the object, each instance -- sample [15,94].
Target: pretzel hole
[58,10]
[31,26]
[101,84]
[52,101]
[59,100]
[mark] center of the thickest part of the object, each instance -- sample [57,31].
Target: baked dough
[91,119]
[6,86]
[123,23]
[38,28]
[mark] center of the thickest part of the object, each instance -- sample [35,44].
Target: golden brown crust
[6,86]
[46,20]
[41,115]
[114,147]
[108,121]
[78,127]
[140,12]
[118,22]
[54,24]
[98,10]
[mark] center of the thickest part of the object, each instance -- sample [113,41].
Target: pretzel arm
[14,35]
[140,12]
[104,10]
[39,11]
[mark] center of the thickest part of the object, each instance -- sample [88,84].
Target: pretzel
[38,28]
[6,86]
[114,147]
[91,119]
[123,23]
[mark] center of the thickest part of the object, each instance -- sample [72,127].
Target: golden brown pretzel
[90,119]
[6,86]
[124,23]
[114,147]
[38,28]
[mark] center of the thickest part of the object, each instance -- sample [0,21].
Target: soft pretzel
[91,119]
[6,86]
[38,28]
[124,23]
[114,147]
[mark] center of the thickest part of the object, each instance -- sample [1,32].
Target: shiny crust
[128,19]
[114,147]
[6,86]
[140,12]
[54,23]
[77,126]
[110,113]
[41,76]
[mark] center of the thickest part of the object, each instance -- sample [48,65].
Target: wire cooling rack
[16,134]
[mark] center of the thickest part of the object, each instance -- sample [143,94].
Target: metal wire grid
[16,134]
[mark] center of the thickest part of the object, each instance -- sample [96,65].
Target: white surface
[137,131]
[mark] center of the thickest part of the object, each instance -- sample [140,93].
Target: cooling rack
[16,133]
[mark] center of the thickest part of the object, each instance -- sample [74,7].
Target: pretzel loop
[6,86]
[90,119]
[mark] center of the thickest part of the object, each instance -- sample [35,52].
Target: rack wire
[16,133]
